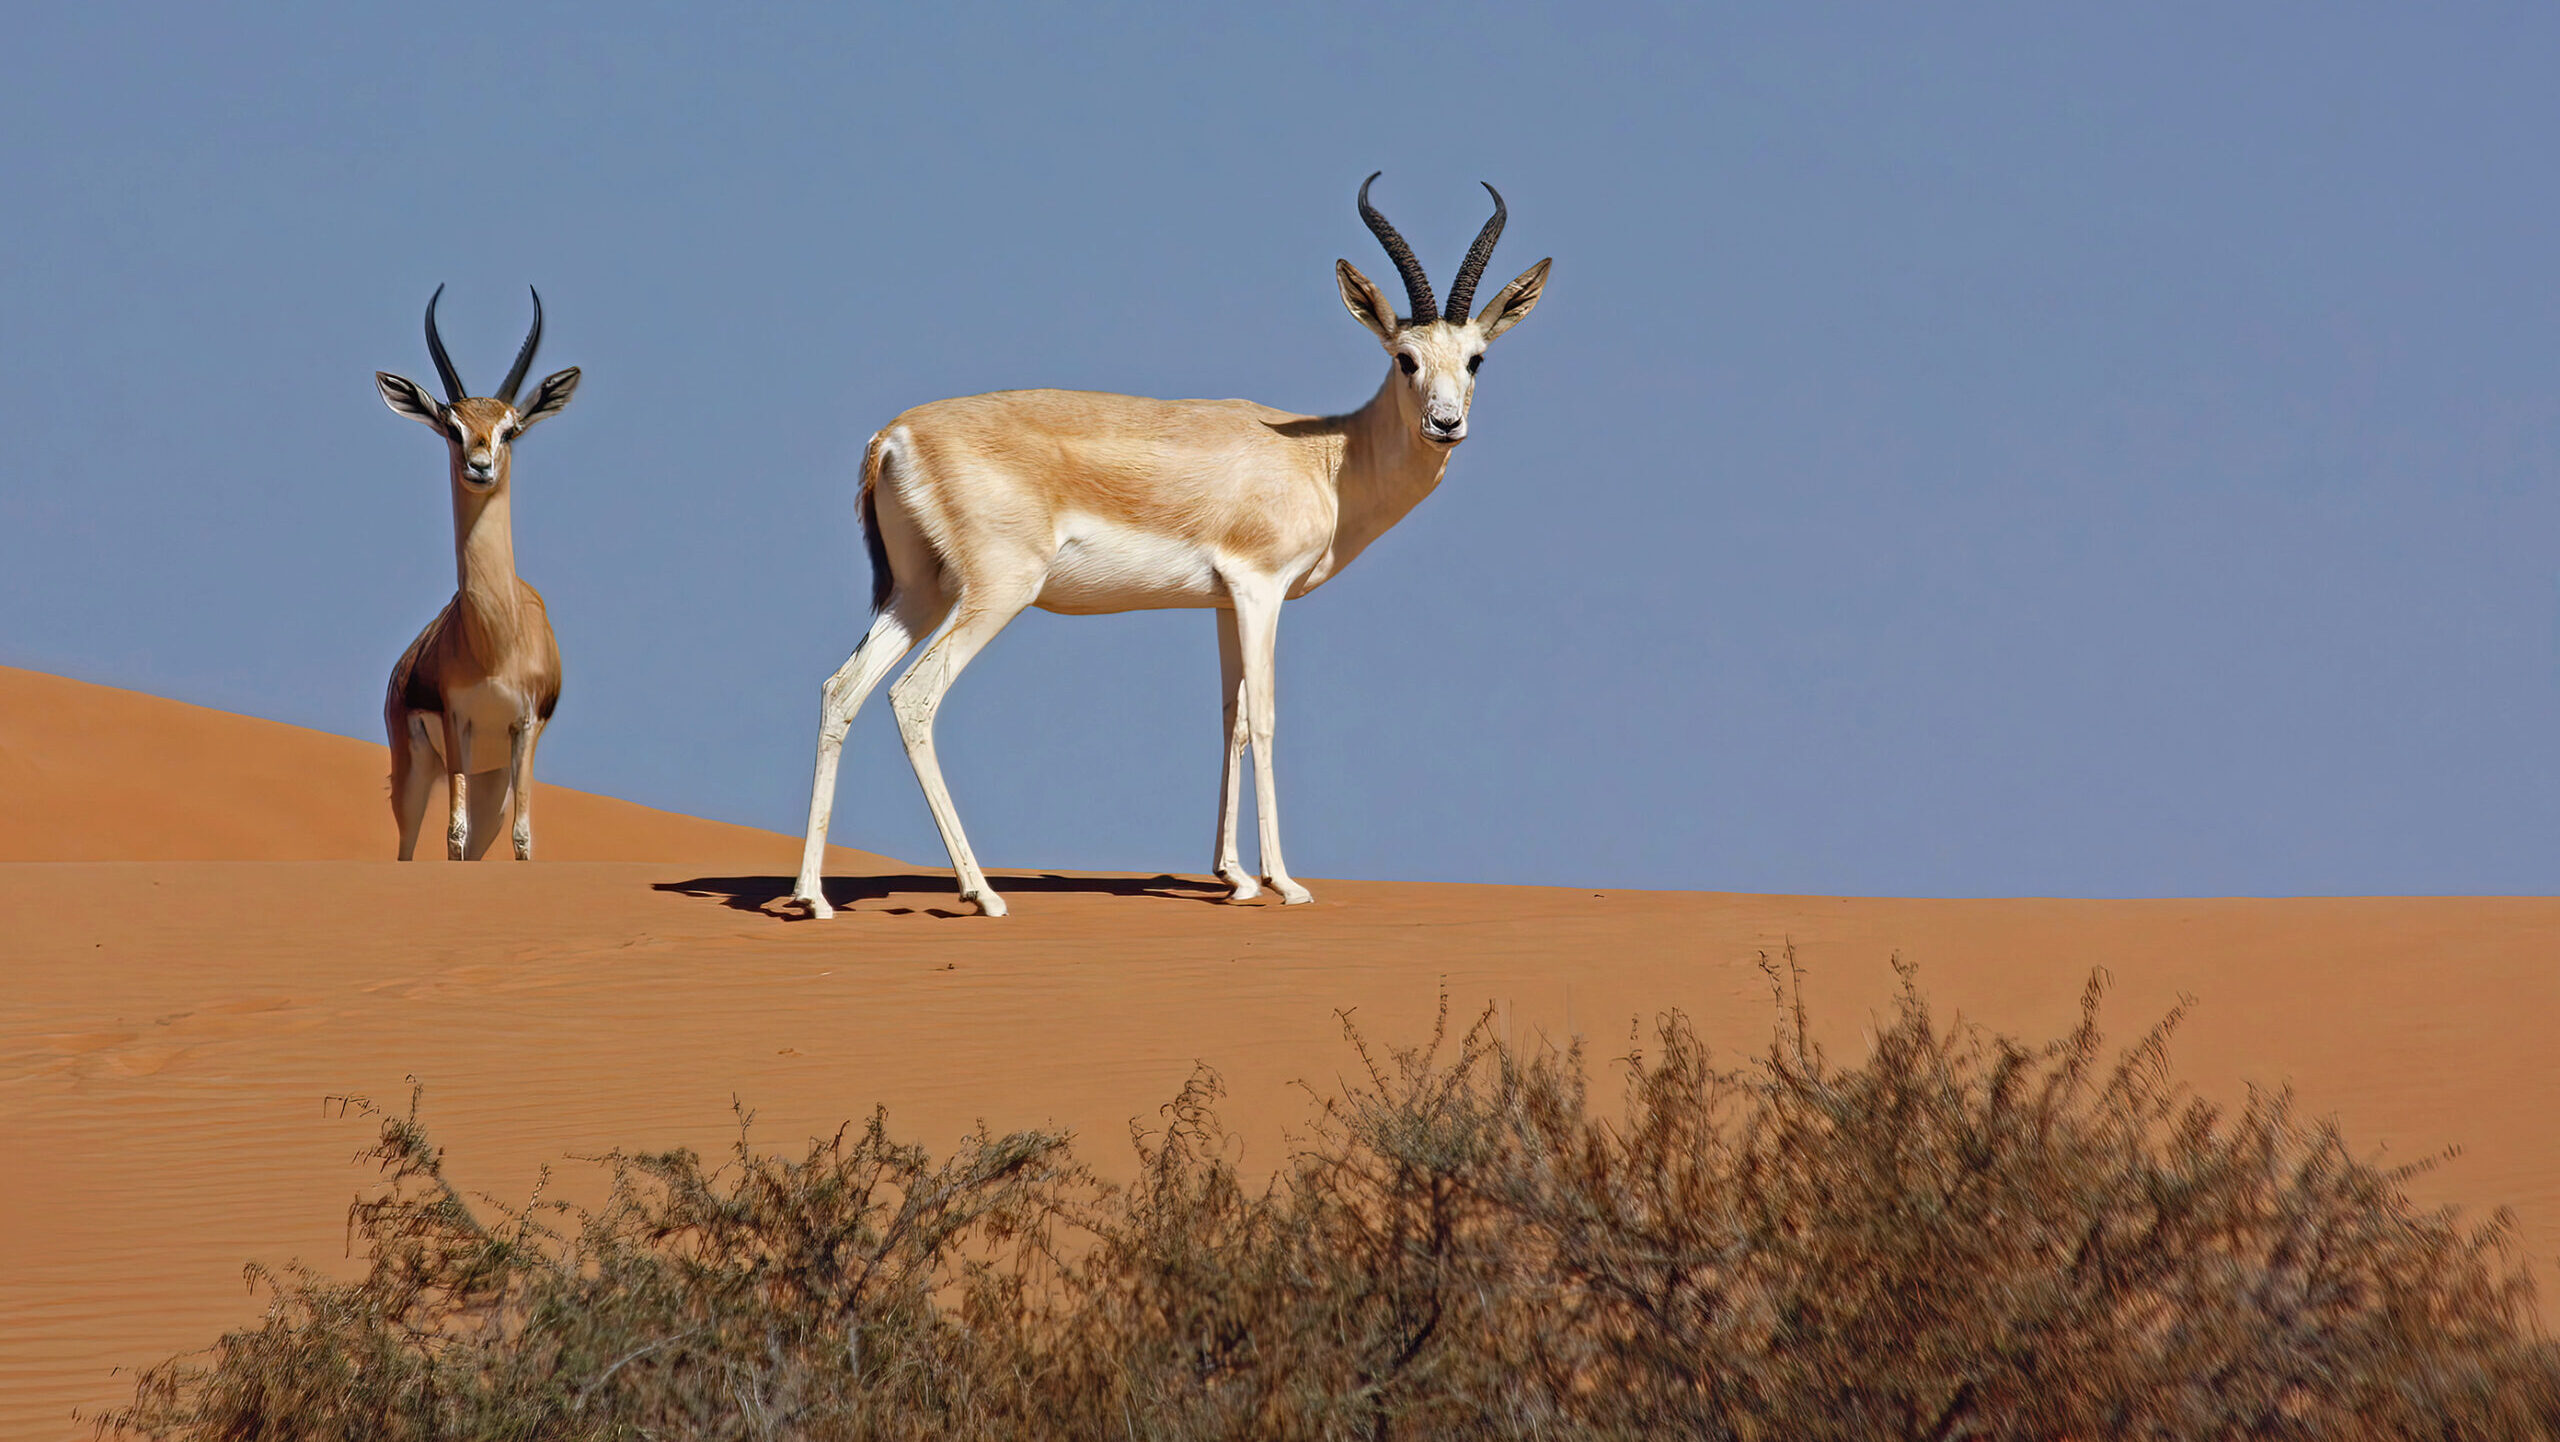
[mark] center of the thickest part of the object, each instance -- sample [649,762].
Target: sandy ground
[169,1028]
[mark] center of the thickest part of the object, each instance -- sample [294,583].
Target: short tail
[882,580]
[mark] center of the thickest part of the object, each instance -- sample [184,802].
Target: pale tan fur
[469,698]
[1080,502]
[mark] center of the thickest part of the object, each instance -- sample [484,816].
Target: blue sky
[1982,452]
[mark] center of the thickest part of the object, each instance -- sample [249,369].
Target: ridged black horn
[435,347]
[524,353]
[1417,286]
[1462,291]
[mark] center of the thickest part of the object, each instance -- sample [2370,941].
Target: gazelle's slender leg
[1258,632]
[457,750]
[520,781]
[413,778]
[910,614]
[918,694]
[488,811]
[1225,863]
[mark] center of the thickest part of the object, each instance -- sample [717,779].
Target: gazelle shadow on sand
[760,893]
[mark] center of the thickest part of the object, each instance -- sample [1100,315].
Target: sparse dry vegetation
[1959,1237]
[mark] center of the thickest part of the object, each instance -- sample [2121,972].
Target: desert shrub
[772,1296]
[1966,1237]
[1959,1236]
[1368,1291]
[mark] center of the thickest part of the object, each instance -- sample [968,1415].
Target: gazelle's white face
[1437,360]
[1439,364]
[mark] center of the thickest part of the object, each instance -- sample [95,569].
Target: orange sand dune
[169,1029]
[91,773]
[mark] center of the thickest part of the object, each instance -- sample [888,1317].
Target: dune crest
[94,773]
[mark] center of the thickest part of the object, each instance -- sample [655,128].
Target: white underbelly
[486,714]
[1101,566]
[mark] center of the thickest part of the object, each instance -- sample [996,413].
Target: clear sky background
[1985,453]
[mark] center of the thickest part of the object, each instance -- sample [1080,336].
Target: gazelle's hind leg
[912,613]
[1226,863]
[414,764]
[985,607]
[488,810]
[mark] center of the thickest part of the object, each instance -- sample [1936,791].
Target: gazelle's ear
[406,397]
[1512,304]
[1368,304]
[550,398]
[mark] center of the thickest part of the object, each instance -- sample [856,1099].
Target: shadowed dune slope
[92,773]
[169,1029]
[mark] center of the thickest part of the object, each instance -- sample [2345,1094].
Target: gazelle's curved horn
[524,353]
[1462,291]
[452,378]
[1417,286]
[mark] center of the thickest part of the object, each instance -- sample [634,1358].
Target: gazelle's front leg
[1225,863]
[457,755]
[521,737]
[1258,633]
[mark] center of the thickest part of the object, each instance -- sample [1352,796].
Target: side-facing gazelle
[473,692]
[1085,503]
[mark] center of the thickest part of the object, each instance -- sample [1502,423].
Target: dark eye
[1406,360]
[1474,361]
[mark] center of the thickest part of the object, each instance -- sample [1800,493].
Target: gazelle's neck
[1387,468]
[484,558]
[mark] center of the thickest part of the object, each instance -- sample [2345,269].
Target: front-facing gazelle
[1085,503]
[470,696]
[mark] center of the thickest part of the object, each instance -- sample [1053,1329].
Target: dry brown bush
[1961,1236]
